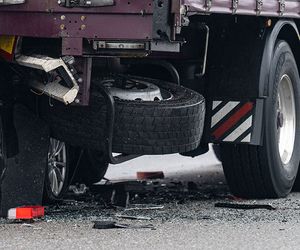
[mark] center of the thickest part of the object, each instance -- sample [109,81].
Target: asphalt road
[186,219]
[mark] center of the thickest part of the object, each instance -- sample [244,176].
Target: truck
[85,83]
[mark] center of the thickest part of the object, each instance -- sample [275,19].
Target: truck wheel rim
[286,118]
[57,164]
[136,89]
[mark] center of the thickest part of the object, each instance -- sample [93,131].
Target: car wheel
[56,180]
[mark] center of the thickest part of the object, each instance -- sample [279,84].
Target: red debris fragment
[150,175]
[26,212]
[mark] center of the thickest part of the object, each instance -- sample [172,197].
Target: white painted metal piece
[53,89]
[8,2]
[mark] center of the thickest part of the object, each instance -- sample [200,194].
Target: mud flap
[24,177]
[235,121]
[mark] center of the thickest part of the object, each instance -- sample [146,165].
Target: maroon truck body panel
[38,18]
[93,26]
[274,8]
[125,20]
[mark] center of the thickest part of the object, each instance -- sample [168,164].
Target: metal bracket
[110,128]
[203,69]
[259,5]
[234,6]
[54,89]
[281,7]
[119,45]
[161,28]
[207,5]
[85,3]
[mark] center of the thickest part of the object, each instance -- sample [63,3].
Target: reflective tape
[231,121]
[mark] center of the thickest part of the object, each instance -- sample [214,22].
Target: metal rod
[110,119]
[205,50]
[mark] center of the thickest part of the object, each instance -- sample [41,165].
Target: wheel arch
[290,34]
[283,29]
[240,81]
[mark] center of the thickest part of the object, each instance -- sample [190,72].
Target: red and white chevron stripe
[231,121]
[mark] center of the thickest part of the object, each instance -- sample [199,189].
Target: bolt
[83,18]
[83,27]
[62,17]
[71,61]
[62,26]
[77,100]
[79,80]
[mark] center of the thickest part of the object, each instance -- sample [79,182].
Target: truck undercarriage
[130,77]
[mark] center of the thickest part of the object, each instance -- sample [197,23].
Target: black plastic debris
[105,225]
[114,225]
[123,193]
[120,196]
[244,206]
[130,217]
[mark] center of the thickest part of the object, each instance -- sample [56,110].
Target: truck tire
[141,127]
[269,171]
